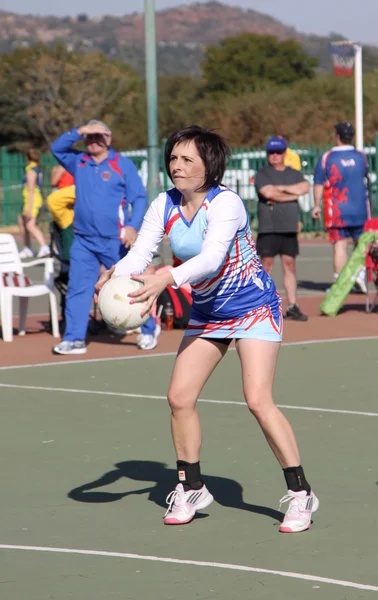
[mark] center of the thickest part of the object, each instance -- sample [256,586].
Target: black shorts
[271,244]
[224,341]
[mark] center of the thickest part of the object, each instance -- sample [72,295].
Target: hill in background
[182,35]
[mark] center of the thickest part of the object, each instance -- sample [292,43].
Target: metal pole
[153,179]
[358,98]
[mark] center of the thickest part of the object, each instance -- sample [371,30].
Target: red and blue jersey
[240,285]
[343,173]
[104,191]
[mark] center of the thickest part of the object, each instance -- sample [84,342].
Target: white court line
[204,400]
[196,563]
[88,360]
[162,354]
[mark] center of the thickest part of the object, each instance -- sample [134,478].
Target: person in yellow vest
[61,206]
[31,193]
[292,158]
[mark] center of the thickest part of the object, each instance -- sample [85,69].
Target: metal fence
[240,176]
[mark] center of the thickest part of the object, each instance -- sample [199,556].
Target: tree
[246,62]
[59,89]
[179,104]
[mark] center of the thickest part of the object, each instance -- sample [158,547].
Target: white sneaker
[65,347]
[148,341]
[43,252]
[361,281]
[184,505]
[26,252]
[298,515]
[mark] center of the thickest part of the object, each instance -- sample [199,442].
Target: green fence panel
[240,176]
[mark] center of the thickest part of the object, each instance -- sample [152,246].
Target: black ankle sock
[189,474]
[296,480]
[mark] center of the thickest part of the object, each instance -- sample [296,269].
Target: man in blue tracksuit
[106,185]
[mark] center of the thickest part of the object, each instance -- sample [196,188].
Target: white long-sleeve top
[225,216]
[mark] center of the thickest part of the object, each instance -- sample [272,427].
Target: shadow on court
[316,286]
[227,492]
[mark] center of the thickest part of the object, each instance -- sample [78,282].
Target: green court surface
[87,462]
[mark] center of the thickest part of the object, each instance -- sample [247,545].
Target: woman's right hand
[102,280]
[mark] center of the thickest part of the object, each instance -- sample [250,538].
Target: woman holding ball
[233,299]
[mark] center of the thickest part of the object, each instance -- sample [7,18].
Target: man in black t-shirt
[278,189]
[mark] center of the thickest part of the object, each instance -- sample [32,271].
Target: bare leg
[196,360]
[267,263]
[258,361]
[24,232]
[289,278]
[34,230]
[340,255]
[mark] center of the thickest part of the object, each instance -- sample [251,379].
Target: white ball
[114,304]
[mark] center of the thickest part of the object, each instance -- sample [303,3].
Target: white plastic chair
[10,262]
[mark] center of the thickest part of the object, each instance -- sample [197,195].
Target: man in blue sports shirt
[340,180]
[106,185]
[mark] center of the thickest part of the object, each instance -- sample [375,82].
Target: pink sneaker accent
[184,505]
[298,515]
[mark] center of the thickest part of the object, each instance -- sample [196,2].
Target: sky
[355,20]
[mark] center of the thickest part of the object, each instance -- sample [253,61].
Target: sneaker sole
[76,351]
[146,349]
[172,521]
[288,530]
[149,347]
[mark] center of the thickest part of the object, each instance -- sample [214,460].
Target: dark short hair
[211,147]
[33,154]
[345,131]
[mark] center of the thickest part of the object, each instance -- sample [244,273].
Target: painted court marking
[169,560]
[162,354]
[197,563]
[203,400]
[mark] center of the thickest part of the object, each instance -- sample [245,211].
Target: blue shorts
[335,234]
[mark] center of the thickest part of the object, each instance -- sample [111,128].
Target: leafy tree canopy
[47,91]
[246,62]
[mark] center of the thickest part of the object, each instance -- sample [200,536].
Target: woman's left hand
[152,288]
